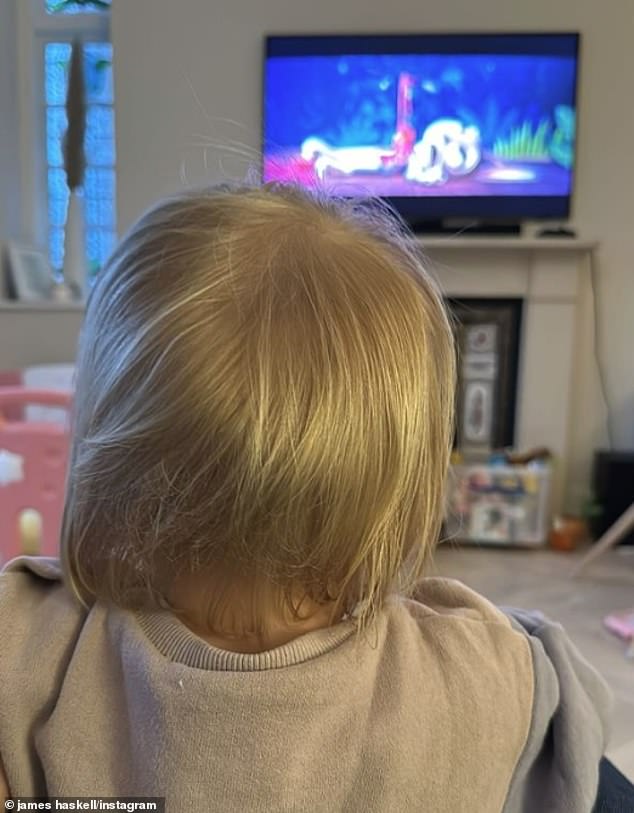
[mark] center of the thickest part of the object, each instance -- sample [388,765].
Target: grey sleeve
[558,771]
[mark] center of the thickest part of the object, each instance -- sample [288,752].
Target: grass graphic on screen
[525,142]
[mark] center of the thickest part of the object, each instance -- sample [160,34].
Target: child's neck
[237,618]
[271,637]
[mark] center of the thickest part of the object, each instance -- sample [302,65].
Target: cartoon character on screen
[447,149]
[346,160]
[404,135]
[349,160]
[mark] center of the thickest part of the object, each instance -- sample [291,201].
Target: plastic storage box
[500,505]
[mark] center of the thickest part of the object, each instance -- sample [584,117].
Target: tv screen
[443,126]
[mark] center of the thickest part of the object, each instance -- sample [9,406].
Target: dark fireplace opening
[488,340]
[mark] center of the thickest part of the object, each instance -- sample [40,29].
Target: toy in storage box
[504,505]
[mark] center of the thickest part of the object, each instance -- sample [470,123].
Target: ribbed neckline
[179,644]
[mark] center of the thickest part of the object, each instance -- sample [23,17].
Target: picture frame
[29,272]
[487,335]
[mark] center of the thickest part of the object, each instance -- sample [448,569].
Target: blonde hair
[265,383]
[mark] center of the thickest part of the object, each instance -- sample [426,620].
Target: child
[263,423]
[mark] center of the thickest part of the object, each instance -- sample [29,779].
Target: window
[57,23]
[76,6]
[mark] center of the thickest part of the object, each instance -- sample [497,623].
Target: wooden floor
[540,579]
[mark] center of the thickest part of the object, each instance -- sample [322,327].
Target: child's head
[264,388]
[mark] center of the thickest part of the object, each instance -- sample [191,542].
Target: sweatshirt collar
[179,644]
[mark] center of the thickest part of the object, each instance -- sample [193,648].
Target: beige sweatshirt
[450,706]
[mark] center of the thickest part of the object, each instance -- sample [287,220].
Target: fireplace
[529,301]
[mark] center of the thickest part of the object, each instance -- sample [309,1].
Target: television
[442,126]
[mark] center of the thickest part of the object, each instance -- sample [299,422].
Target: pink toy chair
[33,459]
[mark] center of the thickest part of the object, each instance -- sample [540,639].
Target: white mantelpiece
[557,362]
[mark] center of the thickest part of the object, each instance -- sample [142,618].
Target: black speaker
[613,483]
